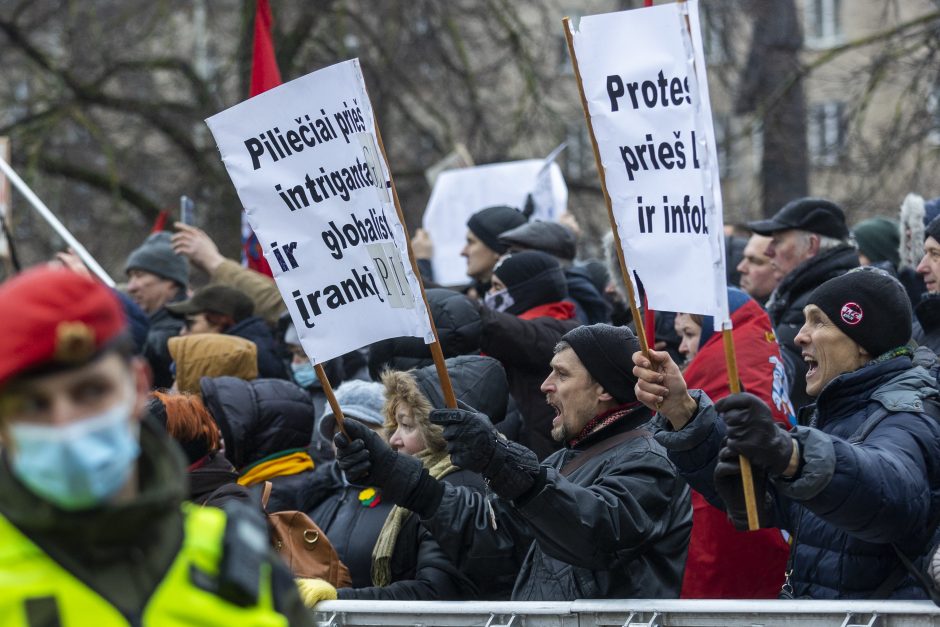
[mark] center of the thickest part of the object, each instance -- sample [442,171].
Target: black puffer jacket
[525,348]
[618,527]
[215,482]
[260,419]
[927,322]
[478,381]
[254,329]
[591,306]
[420,569]
[860,485]
[458,329]
[163,326]
[352,527]
[786,304]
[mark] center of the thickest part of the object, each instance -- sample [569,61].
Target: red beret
[53,315]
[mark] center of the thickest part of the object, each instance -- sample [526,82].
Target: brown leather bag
[303,546]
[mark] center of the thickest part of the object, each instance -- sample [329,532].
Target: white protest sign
[458,194]
[304,160]
[644,80]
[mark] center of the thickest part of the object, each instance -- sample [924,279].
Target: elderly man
[809,245]
[758,277]
[857,483]
[605,517]
[158,276]
[92,525]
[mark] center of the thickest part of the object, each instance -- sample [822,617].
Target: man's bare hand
[660,387]
[194,244]
[72,262]
[421,245]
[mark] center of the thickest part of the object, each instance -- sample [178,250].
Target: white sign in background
[647,93]
[304,159]
[460,193]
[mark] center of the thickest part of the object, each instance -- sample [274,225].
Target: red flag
[264,71]
[160,223]
[264,75]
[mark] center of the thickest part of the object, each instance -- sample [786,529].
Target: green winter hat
[879,239]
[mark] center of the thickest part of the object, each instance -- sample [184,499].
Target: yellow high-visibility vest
[35,588]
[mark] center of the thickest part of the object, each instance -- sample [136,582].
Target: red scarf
[560,310]
[602,421]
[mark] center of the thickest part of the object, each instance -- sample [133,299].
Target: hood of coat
[478,381]
[211,355]
[258,418]
[459,330]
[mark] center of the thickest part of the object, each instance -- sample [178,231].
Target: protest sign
[460,193]
[642,74]
[305,160]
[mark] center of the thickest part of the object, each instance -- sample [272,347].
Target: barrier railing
[627,613]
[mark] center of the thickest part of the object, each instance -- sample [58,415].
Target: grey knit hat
[362,400]
[156,256]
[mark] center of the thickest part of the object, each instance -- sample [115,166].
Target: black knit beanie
[869,306]
[607,353]
[933,229]
[533,278]
[488,224]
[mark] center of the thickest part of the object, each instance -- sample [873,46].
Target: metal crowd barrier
[627,613]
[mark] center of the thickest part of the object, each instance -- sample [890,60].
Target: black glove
[730,488]
[753,433]
[474,444]
[368,460]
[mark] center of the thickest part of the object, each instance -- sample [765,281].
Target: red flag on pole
[264,71]
[264,75]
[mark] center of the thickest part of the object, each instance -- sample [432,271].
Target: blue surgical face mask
[304,374]
[499,300]
[80,465]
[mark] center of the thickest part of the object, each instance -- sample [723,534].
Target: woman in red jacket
[724,563]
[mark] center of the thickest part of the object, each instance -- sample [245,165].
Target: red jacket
[724,563]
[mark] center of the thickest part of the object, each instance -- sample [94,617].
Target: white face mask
[500,300]
[80,465]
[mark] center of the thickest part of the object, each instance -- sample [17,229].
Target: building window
[826,132]
[579,155]
[823,23]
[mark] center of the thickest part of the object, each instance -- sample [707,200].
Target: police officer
[92,524]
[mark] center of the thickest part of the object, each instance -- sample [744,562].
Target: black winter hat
[607,353]
[550,237]
[868,305]
[933,229]
[488,224]
[533,278]
[815,215]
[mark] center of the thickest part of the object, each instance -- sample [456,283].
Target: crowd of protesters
[149,433]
